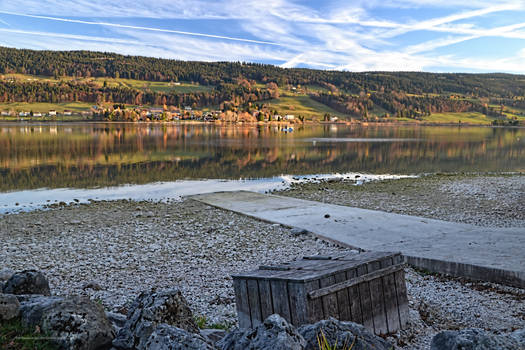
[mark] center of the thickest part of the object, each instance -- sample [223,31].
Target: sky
[352,35]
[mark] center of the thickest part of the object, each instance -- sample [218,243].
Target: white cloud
[338,34]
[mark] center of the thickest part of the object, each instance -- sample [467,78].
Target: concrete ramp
[488,254]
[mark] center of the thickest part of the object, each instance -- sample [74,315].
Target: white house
[67,112]
[23,114]
[52,113]
[37,114]
[289,117]
[5,113]
[334,119]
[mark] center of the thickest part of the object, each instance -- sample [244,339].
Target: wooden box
[367,288]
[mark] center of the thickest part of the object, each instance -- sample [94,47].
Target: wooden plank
[241,302]
[298,299]
[280,299]
[343,301]
[253,301]
[329,300]
[354,297]
[378,303]
[402,299]
[314,306]
[389,291]
[265,297]
[366,302]
[364,278]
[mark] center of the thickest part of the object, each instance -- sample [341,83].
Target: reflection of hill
[98,155]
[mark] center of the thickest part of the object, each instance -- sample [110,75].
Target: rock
[344,333]
[213,335]
[166,337]
[27,282]
[92,285]
[5,274]
[296,231]
[273,334]
[151,309]
[117,320]
[73,322]
[477,339]
[9,307]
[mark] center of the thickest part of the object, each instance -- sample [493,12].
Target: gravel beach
[111,251]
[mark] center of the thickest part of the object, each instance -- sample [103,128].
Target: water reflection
[102,154]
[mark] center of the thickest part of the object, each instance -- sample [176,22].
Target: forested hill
[98,64]
[85,76]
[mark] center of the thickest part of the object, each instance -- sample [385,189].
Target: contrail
[142,28]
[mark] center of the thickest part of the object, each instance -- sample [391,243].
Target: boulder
[73,322]
[117,320]
[151,309]
[345,334]
[213,335]
[27,282]
[166,337]
[9,307]
[273,334]
[5,274]
[477,339]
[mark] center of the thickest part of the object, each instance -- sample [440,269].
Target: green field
[155,86]
[45,107]
[456,118]
[302,105]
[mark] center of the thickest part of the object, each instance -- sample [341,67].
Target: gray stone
[151,309]
[9,307]
[477,339]
[345,334]
[73,322]
[5,274]
[296,231]
[166,337]
[273,334]
[27,282]
[117,320]
[214,335]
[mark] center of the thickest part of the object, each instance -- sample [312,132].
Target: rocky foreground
[113,251]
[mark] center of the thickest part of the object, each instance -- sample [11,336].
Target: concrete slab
[489,254]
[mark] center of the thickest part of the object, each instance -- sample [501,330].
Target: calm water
[102,154]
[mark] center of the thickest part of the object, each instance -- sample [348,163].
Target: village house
[289,117]
[23,114]
[67,112]
[5,113]
[52,113]
[187,108]
[37,114]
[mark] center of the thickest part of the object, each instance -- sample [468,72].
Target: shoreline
[272,123]
[123,247]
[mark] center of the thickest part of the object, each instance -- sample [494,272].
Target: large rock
[27,282]
[9,307]
[6,274]
[74,322]
[344,334]
[151,309]
[477,339]
[273,334]
[166,337]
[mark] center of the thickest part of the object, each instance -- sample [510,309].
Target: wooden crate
[367,288]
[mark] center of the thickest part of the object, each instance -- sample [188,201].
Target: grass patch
[14,336]
[456,118]
[302,105]
[203,323]
[45,107]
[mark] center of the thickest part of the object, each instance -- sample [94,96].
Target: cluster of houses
[26,114]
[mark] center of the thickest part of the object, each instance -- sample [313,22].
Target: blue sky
[354,35]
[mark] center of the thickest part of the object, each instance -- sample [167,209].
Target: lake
[87,155]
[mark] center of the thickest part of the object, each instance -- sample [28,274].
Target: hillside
[59,77]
